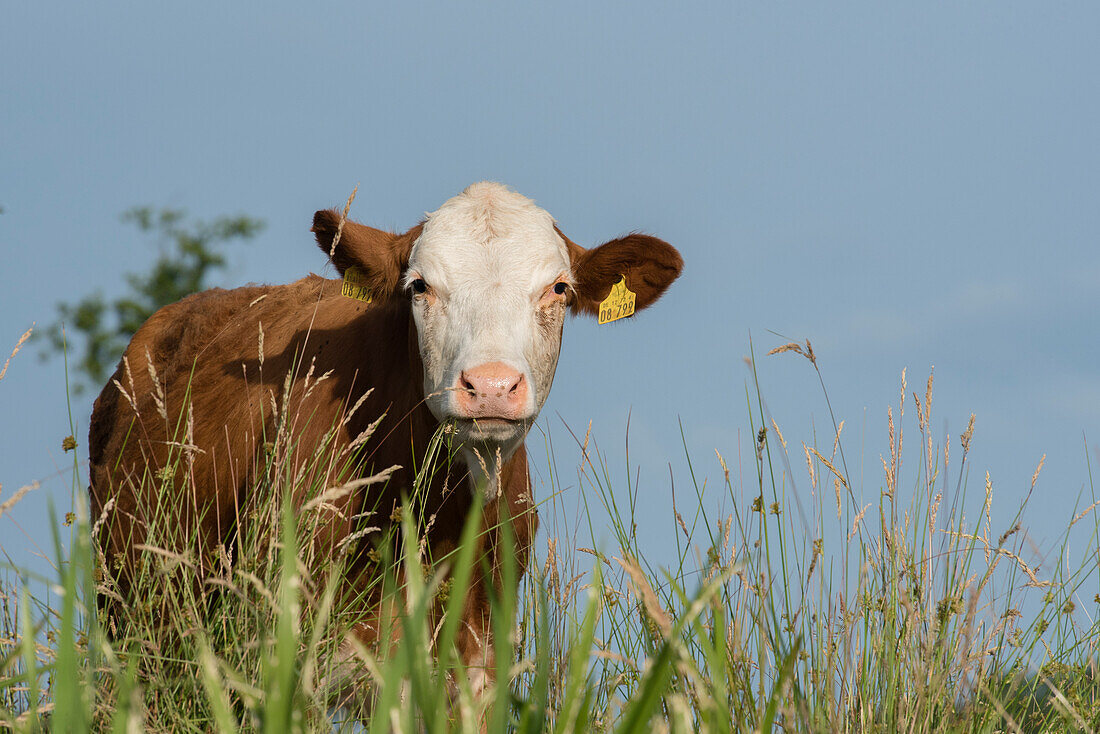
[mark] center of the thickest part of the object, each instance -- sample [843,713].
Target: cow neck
[387,352]
[387,355]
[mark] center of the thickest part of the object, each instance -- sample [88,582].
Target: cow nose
[491,390]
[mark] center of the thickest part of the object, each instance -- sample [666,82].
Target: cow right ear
[380,256]
[646,266]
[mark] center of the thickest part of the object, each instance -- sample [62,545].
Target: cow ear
[649,265]
[380,256]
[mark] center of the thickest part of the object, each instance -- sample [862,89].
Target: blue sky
[906,185]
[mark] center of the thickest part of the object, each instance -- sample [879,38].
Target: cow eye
[418,286]
[560,288]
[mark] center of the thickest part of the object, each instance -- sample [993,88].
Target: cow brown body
[196,350]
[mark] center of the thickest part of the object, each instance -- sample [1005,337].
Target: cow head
[489,277]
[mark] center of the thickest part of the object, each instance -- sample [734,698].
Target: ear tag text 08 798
[355,285]
[619,303]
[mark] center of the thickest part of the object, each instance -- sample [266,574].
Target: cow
[454,325]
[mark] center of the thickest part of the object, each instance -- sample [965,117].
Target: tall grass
[807,608]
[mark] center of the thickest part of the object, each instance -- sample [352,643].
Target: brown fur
[382,256]
[648,264]
[205,352]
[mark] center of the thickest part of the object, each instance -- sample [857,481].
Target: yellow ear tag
[619,303]
[355,285]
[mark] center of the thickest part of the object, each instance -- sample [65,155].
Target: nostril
[466,385]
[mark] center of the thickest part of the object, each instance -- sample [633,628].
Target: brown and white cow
[463,329]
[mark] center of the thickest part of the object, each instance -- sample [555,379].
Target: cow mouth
[488,426]
[492,421]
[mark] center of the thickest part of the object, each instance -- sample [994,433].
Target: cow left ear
[379,256]
[648,265]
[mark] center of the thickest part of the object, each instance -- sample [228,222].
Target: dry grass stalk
[680,521]
[1035,476]
[1083,512]
[808,352]
[725,469]
[550,568]
[176,558]
[595,554]
[646,595]
[1008,534]
[343,219]
[830,466]
[810,467]
[904,384]
[788,347]
[18,345]
[855,522]
[968,434]
[260,345]
[358,404]
[129,397]
[15,498]
[158,390]
[986,510]
[782,441]
[1032,574]
[363,437]
[928,400]
[889,491]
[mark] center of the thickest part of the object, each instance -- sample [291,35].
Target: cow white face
[489,279]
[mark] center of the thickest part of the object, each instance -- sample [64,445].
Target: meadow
[864,601]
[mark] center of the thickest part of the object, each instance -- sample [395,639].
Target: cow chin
[492,434]
[486,444]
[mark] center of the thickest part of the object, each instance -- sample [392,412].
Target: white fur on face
[489,258]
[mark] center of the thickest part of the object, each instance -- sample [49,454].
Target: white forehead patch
[486,235]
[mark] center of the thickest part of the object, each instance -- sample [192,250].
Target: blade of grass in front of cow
[31,672]
[713,658]
[780,687]
[571,711]
[671,650]
[389,706]
[318,650]
[281,673]
[214,686]
[460,571]
[72,678]
[70,698]
[533,714]
[503,613]
[414,624]
[127,715]
[386,706]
